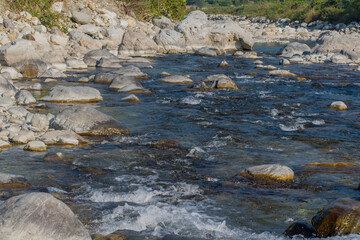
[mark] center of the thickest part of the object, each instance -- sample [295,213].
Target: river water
[128,183]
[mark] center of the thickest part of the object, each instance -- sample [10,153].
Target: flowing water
[128,183]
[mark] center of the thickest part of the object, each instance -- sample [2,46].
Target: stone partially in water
[300,229]
[224,64]
[39,216]
[36,146]
[176,79]
[216,77]
[293,48]
[11,181]
[269,171]
[62,137]
[88,121]
[281,73]
[73,94]
[338,105]
[131,99]
[284,62]
[224,84]
[22,137]
[24,97]
[341,217]
[205,51]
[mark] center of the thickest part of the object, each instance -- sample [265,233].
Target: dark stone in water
[166,143]
[299,228]
[317,85]
[177,237]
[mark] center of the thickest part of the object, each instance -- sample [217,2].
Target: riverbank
[67,91]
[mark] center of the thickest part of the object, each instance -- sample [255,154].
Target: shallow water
[125,183]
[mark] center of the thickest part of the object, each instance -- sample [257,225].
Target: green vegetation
[304,10]
[40,9]
[146,9]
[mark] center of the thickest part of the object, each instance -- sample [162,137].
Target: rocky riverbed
[213,127]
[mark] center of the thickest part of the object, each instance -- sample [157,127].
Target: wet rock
[248,56]
[24,97]
[39,216]
[224,83]
[317,85]
[92,57]
[223,64]
[238,53]
[36,146]
[131,99]
[50,157]
[281,73]
[284,62]
[170,41]
[269,171]
[40,122]
[300,229]
[137,44]
[73,94]
[258,62]
[6,87]
[338,105]
[22,137]
[127,85]
[176,79]
[199,86]
[166,143]
[88,121]
[293,48]
[178,237]
[205,51]
[266,67]
[134,87]
[62,137]
[11,181]
[341,217]
[81,17]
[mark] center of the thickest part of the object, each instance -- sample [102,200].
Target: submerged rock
[88,121]
[11,181]
[39,216]
[341,217]
[176,79]
[269,171]
[73,94]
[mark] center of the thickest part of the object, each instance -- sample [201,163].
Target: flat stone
[205,51]
[37,146]
[281,73]
[270,171]
[131,99]
[10,181]
[40,122]
[216,77]
[224,84]
[24,97]
[107,63]
[39,216]
[22,137]
[62,137]
[81,17]
[4,144]
[88,121]
[92,57]
[176,79]
[73,94]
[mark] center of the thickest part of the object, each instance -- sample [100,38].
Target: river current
[129,183]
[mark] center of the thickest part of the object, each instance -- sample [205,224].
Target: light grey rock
[176,79]
[205,51]
[272,171]
[105,77]
[36,146]
[226,34]
[40,122]
[22,55]
[6,101]
[53,73]
[6,87]
[4,144]
[18,112]
[137,44]
[59,40]
[62,137]
[281,72]
[93,56]
[24,97]
[122,81]
[22,137]
[75,63]
[84,40]
[216,77]
[8,180]
[134,87]
[163,22]
[14,74]
[35,87]
[131,71]
[339,59]
[338,105]
[293,48]
[115,34]
[131,99]
[108,63]
[284,62]
[87,121]
[90,29]
[170,41]
[8,24]
[73,94]
[81,17]
[39,216]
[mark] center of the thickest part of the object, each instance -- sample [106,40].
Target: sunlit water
[125,183]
